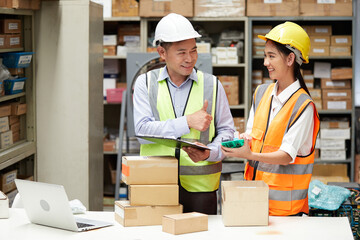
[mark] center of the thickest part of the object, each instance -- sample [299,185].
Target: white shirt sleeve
[298,140]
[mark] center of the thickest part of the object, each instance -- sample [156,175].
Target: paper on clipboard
[171,141]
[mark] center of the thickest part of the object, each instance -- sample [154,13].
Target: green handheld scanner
[233,144]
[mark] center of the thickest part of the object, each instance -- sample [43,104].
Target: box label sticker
[341,40]
[25,59]
[18,85]
[335,84]
[319,50]
[337,94]
[14,41]
[10,178]
[13,26]
[326,1]
[316,190]
[336,105]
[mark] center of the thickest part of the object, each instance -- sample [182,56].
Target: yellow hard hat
[290,33]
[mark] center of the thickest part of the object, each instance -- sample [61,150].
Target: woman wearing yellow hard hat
[283,124]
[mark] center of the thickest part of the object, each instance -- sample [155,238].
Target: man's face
[180,58]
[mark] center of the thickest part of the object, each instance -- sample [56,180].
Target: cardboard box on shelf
[341,40]
[334,124]
[109,146]
[319,50]
[15,136]
[18,108]
[2,41]
[22,4]
[325,8]
[154,8]
[6,139]
[337,104]
[239,123]
[7,181]
[318,103]
[15,127]
[321,30]
[4,124]
[203,47]
[149,170]
[330,169]
[341,73]
[13,40]
[335,144]
[110,40]
[340,51]
[128,215]
[335,133]
[125,8]
[219,8]
[320,40]
[332,155]
[315,94]
[328,83]
[231,87]
[5,110]
[159,195]
[10,26]
[185,223]
[245,203]
[13,119]
[336,94]
[4,206]
[109,50]
[271,8]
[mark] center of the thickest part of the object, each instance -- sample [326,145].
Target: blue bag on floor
[325,196]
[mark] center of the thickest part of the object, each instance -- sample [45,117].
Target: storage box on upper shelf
[154,8]
[10,26]
[217,8]
[231,87]
[125,8]
[13,41]
[325,8]
[17,59]
[271,8]
[340,51]
[7,181]
[21,4]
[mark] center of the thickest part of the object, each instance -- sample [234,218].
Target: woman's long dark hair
[297,74]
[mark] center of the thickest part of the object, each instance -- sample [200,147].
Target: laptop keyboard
[83,225]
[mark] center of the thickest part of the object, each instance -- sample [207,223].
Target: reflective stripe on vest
[288,184]
[202,176]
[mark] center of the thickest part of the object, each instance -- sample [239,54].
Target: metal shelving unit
[328,20]
[26,147]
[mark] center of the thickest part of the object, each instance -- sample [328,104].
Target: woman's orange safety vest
[288,184]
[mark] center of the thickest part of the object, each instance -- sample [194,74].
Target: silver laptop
[47,204]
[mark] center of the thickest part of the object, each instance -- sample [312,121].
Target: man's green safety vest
[202,176]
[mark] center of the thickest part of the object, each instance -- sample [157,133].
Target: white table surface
[17,226]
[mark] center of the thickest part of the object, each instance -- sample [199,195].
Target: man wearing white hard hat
[183,102]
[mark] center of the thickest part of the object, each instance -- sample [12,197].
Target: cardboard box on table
[159,195]
[185,223]
[245,203]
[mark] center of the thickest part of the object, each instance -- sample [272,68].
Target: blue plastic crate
[17,59]
[14,86]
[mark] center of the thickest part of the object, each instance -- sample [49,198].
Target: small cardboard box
[13,40]
[4,124]
[6,139]
[336,94]
[109,146]
[125,8]
[239,124]
[10,26]
[319,50]
[328,83]
[159,195]
[318,103]
[321,30]
[245,203]
[18,108]
[219,8]
[315,94]
[337,104]
[185,223]
[325,8]
[7,181]
[332,155]
[272,8]
[149,170]
[330,169]
[335,133]
[231,87]
[341,40]
[128,215]
[13,119]
[334,124]
[341,73]
[334,144]
[15,127]
[320,40]
[4,206]
[109,50]
[155,8]
[5,110]
[340,51]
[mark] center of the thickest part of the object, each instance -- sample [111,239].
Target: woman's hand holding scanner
[200,120]
[197,154]
[237,147]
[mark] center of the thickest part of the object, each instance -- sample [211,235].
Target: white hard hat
[174,28]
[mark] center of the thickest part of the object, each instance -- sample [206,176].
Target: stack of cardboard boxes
[10,33]
[333,136]
[231,87]
[153,190]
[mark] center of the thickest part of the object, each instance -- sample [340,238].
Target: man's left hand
[197,154]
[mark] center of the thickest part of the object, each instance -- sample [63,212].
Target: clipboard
[171,142]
